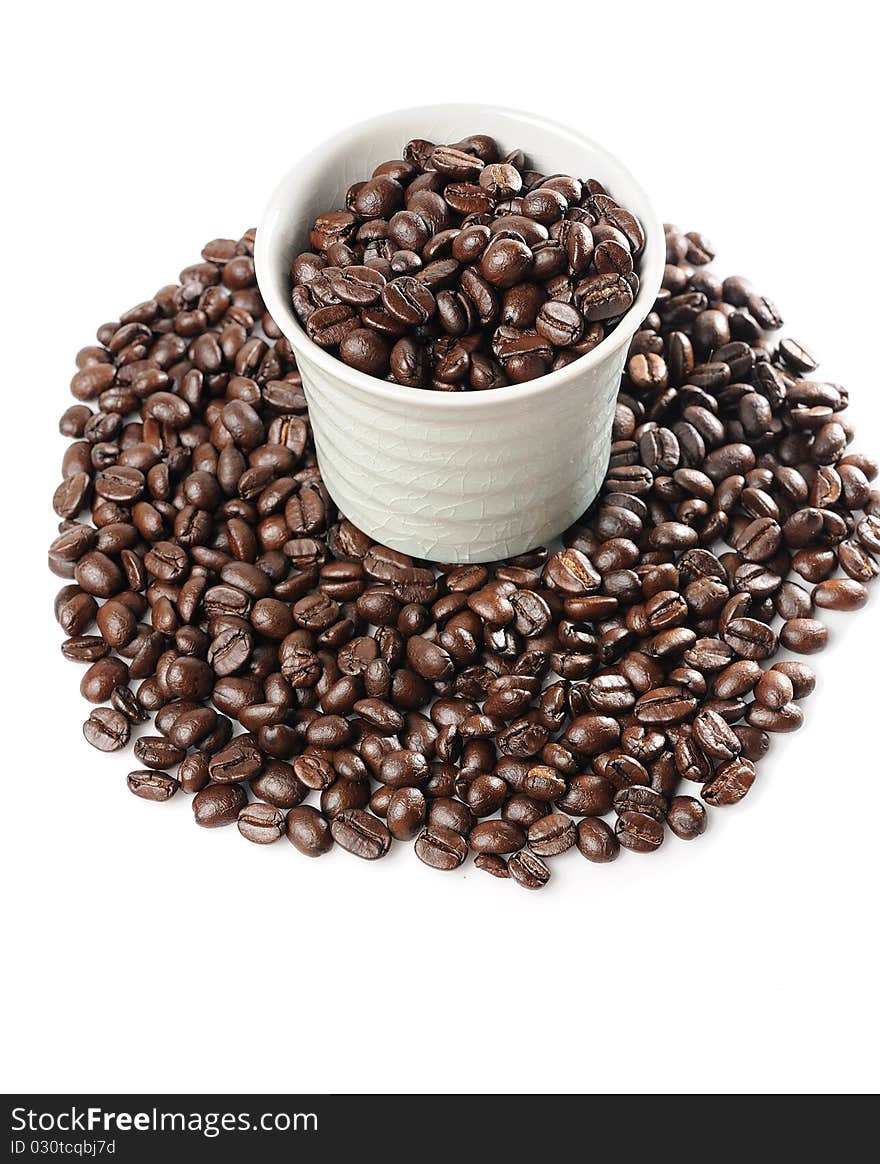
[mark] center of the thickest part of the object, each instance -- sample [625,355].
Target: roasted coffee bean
[107,729]
[309,831]
[804,636]
[596,840]
[528,870]
[152,785]
[157,752]
[218,804]
[361,833]
[125,701]
[774,690]
[406,813]
[686,817]
[496,836]
[731,782]
[551,835]
[451,814]
[714,736]
[240,760]
[640,798]
[279,785]
[441,848]
[261,823]
[787,718]
[639,830]
[840,594]
[490,863]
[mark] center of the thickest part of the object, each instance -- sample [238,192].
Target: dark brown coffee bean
[441,848]
[239,760]
[731,782]
[639,832]
[406,813]
[106,729]
[686,817]
[774,690]
[496,836]
[218,805]
[551,835]
[308,831]
[804,636]
[490,863]
[840,594]
[361,833]
[261,823]
[528,870]
[596,840]
[149,785]
[157,752]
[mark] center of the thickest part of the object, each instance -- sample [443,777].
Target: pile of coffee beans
[591,696]
[457,269]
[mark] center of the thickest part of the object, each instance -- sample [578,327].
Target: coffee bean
[686,817]
[731,782]
[309,831]
[261,823]
[787,718]
[639,832]
[639,798]
[840,594]
[551,835]
[750,638]
[441,848]
[528,870]
[361,834]
[157,752]
[596,840]
[106,729]
[407,810]
[240,760]
[490,863]
[152,785]
[774,690]
[496,836]
[804,636]
[218,805]
[715,736]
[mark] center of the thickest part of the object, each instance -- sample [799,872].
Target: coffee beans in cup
[459,268]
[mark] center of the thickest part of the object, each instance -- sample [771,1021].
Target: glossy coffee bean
[107,729]
[147,785]
[441,848]
[686,817]
[528,870]
[218,805]
[309,831]
[361,834]
[261,823]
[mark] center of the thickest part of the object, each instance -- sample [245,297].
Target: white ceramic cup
[454,476]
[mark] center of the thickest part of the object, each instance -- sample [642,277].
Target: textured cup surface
[450,476]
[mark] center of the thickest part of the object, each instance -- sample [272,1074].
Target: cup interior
[319,183]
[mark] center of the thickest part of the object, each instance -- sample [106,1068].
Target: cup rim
[651,273]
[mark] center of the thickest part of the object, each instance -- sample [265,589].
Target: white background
[144,954]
